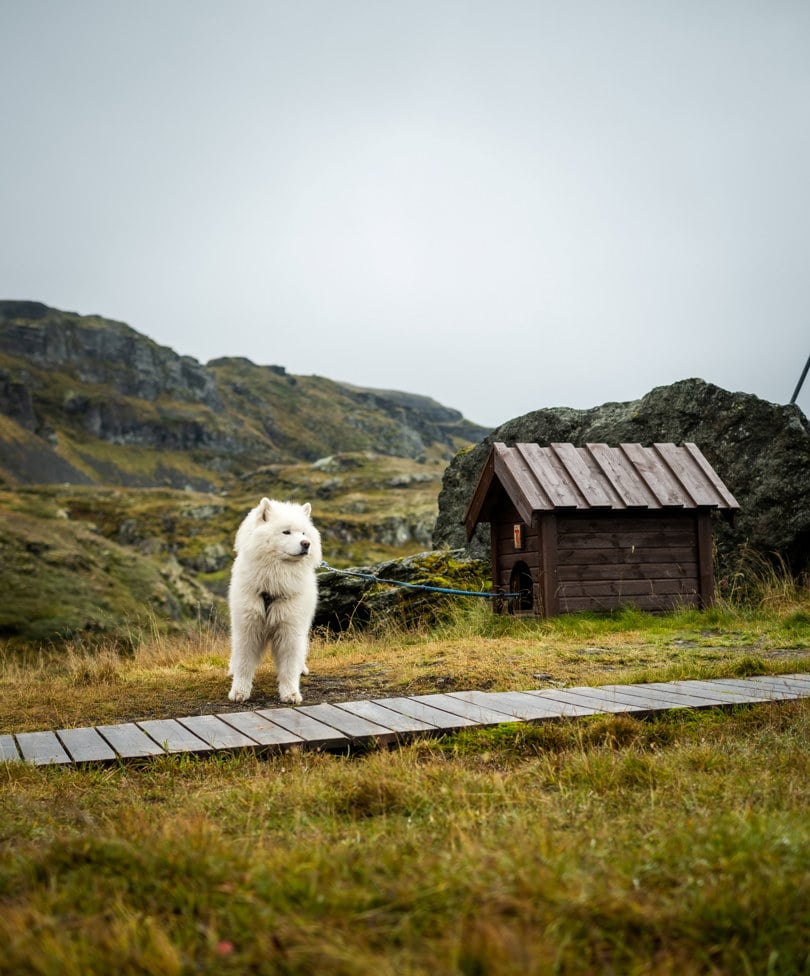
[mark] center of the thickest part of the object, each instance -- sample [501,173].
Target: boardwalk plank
[8,749]
[314,734]
[521,706]
[713,690]
[41,748]
[217,733]
[129,741]
[262,730]
[173,736]
[661,698]
[85,745]
[799,684]
[764,694]
[480,712]
[439,719]
[356,727]
[402,725]
[594,700]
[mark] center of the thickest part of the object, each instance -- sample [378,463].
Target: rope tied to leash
[489,595]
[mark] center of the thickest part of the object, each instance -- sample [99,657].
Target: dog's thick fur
[273,595]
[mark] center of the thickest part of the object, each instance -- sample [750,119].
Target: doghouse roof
[561,476]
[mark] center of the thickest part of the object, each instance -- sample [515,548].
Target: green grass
[676,844]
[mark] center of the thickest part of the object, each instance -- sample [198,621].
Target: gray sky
[504,205]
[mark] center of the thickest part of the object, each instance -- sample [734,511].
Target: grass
[602,845]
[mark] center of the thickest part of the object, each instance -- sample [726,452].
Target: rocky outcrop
[761,451]
[102,351]
[354,599]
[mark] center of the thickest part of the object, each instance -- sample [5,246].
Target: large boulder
[761,451]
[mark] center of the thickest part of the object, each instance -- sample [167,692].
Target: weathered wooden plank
[594,700]
[580,701]
[623,555]
[626,587]
[666,601]
[354,726]
[717,692]
[647,700]
[589,482]
[173,736]
[218,734]
[690,475]
[711,475]
[480,712]
[8,749]
[129,741]
[41,748]
[661,697]
[439,719]
[520,705]
[631,488]
[521,487]
[86,745]
[560,490]
[403,725]
[643,523]
[657,476]
[262,730]
[798,684]
[773,694]
[314,734]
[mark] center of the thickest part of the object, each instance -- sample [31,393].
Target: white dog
[272,596]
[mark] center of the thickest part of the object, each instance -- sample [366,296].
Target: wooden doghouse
[598,527]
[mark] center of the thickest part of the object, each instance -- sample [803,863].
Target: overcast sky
[503,205]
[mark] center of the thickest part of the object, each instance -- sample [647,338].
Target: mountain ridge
[91,400]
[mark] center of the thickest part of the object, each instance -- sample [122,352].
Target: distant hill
[87,400]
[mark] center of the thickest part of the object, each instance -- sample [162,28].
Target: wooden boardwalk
[383,721]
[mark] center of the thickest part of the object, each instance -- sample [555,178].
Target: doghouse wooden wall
[603,562]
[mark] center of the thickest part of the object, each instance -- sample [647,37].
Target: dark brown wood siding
[649,561]
[507,557]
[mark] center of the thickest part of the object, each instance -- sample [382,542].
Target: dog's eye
[287,532]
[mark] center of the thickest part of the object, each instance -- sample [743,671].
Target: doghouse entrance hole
[521,582]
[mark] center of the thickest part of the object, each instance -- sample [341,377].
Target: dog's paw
[290,697]
[237,694]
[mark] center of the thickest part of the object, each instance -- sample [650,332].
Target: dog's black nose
[305,544]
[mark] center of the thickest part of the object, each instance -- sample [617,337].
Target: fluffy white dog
[272,596]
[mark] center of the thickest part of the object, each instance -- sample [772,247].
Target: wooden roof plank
[552,477]
[630,487]
[659,479]
[689,474]
[86,745]
[698,457]
[523,490]
[589,480]
[129,741]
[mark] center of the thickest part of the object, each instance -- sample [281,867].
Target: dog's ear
[264,509]
[307,508]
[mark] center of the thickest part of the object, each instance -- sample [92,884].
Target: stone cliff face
[761,451]
[83,387]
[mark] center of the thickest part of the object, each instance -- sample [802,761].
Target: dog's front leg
[289,655]
[247,647]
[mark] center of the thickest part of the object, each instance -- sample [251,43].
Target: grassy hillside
[676,844]
[81,561]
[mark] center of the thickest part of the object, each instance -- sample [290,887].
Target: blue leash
[416,586]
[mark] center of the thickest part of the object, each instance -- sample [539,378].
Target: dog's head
[283,529]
